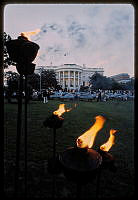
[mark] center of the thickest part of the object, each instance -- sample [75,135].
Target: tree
[116,85]
[98,81]
[34,81]
[12,82]
[129,85]
[48,78]
[7,61]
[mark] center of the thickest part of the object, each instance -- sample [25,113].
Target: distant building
[72,76]
[121,78]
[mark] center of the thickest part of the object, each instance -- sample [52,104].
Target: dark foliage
[7,61]
[34,81]
[98,81]
[84,88]
[48,78]
[12,81]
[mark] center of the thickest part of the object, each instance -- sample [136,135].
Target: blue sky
[97,35]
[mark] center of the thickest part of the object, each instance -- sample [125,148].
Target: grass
[119,115]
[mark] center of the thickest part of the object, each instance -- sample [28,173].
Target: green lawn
[119,115]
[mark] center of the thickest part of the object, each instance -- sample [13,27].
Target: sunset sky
[97,35]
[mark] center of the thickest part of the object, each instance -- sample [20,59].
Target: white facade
[71,76]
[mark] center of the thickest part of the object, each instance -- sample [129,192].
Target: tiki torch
[22,52]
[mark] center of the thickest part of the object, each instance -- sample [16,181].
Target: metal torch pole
[98,183]
[18,137]
[54,143]
[25,134]
[54,159]
[79,189]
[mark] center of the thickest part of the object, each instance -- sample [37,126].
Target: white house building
[71,76]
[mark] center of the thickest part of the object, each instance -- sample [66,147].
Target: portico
[72,76]
[69,77]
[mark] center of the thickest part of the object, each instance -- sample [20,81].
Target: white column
[78,80]
[59,78]
[81,78]
[74,81]
[68,79]
[63,81]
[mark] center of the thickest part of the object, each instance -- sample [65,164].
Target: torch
[81,164]
[55,122]
[108,158]
[22,52]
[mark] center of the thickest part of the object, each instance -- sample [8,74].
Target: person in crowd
[76,97]
[99,96]
[40,96]
[48,96]
[45,96]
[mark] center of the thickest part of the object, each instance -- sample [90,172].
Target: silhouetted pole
[54,143]
[98,183]
[18,137]
[22,52]
[54,160]
[2,120]
[79,188]
[25,133]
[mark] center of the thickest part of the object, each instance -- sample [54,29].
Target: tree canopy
[6,60]
[34,81]
[12,82]
[48,78]
[98,81]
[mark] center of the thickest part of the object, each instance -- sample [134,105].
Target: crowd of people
[105,95]
[98,95]
[44,95]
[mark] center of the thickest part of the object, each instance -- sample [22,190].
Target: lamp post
[40,73]
[40,80]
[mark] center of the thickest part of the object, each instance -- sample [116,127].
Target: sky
[96,35]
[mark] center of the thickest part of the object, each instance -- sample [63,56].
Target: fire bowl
[80,165]
[25,68]
[53,121]
[108,160]
[22,50]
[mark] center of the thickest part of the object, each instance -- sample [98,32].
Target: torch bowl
[80,165]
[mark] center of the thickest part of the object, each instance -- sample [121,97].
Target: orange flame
[110,142]
[61,110]
[86,140]
[28,34]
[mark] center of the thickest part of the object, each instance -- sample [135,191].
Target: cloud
[101,37]
[47,28]
[76,32]
[119,25]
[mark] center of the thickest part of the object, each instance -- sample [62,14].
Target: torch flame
[86,140]
[29,33]
[61,110]
[110,142]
